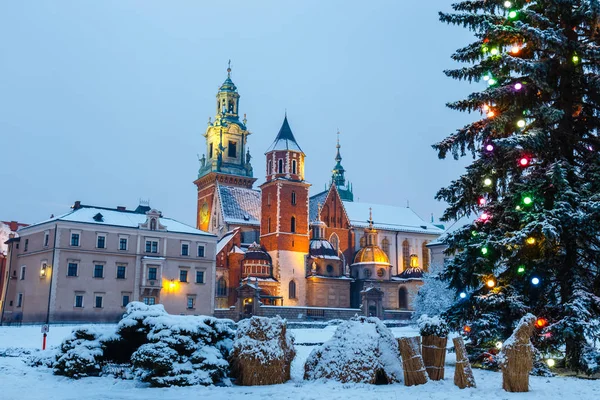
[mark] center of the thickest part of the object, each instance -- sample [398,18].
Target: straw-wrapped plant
[262,352]
[516,358]
[463,374]
[435,338]
[412,361]
[361,350]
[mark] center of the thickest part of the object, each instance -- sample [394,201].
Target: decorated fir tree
[535,179]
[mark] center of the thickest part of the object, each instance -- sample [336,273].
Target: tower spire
[229,69]
[337,177]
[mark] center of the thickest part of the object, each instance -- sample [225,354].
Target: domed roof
[411,273]
[321,248]
[255,252]
[371,254]
[228,86]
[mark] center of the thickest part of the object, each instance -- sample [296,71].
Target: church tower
[337,177]
[284,215]
[227,157]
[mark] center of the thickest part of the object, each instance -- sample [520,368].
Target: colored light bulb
[490,283]
[467,329]
[530,240]
[527,200]
[484,250]
[541,322]
[487,182]
[473,233]
[515,49]
[524,161]
[520,123]
[489,147]
[499,345]
[518,208]
[482,201]
[518,86]
[462,295]
[521,269]
[494,51]
[484,216]
[535,280]
[486,77]
[491,81]
[490,114]
[507,4]
[512,14]
[485,107]
[551,363]
[575,59]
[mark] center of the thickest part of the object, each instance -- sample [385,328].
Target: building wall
[323,292]
[288,266]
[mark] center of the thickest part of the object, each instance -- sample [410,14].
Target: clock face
[204,213]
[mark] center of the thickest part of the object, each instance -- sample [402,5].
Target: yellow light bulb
[520,123]
[491,283]
[530,240]
[551,363]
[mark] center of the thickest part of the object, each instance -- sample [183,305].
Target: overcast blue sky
[106,101]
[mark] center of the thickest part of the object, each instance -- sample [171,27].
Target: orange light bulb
[491,283]
[515,49]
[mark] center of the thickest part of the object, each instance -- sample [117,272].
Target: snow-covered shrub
[81,353]
[433,326]
[361,350]
[590,360]
[262,352]
[183,351]
[434,297]
[45,358]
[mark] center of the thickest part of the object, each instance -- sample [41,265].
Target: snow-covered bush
[590,360]
[432,326]
[434,297]
[262,352]
[183,351]
[41,358]
[81,353]
[361,350]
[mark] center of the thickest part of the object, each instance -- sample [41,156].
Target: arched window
[335,241]
[402,298]
[221,287]
[270,171]
[292,290]
[425,256]
[280,166]
[405,254]
[293,197]
[293,225]
[363,241]
[153,224]
[385,246]
[293,166]
[269,225]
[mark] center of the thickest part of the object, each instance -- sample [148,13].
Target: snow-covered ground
[20,382]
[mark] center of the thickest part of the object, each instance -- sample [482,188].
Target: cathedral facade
[294,249]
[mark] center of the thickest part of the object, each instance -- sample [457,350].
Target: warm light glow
[515,49]
[414,261]
[482,201]
[530,240]
[462,295]
[485,107]
[490,283]
[551,363]
[527,200]
[489,147]
[499,345]
[487,182]
[467,329]
[507,4]
[541,322]
[524,161]
[512,14]
[43,271]
[518,208]
[172,285]
[521,269]
[520,123]
[490,114]
[494,51]
[575,59]
[518,86]
[484,217]
[535,280]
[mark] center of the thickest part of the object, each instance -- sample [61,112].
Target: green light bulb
[512,14]
[527,200]
[521,269]
[494,51]
[484,250]
[491,81]
[474,233]
[575,59]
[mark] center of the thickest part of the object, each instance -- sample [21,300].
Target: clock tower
[227,157]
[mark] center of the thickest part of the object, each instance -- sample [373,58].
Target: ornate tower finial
[338,157]
[370,218]
[229,69]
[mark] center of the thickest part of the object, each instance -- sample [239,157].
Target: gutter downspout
[4,290]
[51,274]
[397,265]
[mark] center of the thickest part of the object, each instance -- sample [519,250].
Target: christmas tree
[535,179]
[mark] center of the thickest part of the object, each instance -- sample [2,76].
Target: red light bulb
[484,217]
[524,162]
[482,201]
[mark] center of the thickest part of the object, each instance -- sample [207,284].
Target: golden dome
[371,254]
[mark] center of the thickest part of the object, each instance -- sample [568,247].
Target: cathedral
[291,248]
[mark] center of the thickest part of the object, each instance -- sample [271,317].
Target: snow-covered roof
[240,205]
[224,240]
[390,218]
[122,218]
[313,204]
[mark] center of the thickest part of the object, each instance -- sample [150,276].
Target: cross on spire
[229,69]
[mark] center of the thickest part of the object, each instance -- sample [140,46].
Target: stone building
[8,230]
[87,264]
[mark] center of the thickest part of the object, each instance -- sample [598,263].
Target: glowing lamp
[518,208]
[467,329]
[485,107]
[487,182]
[512,14]
[499,345]
[473,233]
[524,161]
[494,51]
[551,363]
[481,201]
[172,285]
[541,322]
[527,200]
[518,86]
[575,59]
[530,240]
[515,49]
[486,78]
[521,269]
[484,217]
[489,147]
[491,81]
[520,123]
[490,114]
[535,281]
[462,295]
[490,283]
[507,4]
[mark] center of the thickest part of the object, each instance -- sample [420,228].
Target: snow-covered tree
[434,297]
[535,178]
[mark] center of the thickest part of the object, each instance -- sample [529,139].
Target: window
[292,290]
[210,151]
[385,246]
[330,269]
[151,246]
[269,225]
[425,257]
[149,301]
[98,302]
[221,287]
[185,249]
[125,300]
[46,238]
[79,301]
[74,239]
[190,302]
[153,224]
[405,254]
[122,243]
[199,276]
[99,271]
[121,271]
[280,168]
[402,298]
[270,170]
[363,241]
[101,242]
[72,269]
[183,275]
[152,273]
[335,241]
[293,198]
[367,273]
[293,166]
[20,300]
[268,199]
[22,276]
[293,225]
[381,272]
[200,250]
[26,245]
[232,149]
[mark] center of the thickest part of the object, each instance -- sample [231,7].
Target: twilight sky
[106,101]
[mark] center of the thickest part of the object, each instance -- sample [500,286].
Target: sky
[106,101]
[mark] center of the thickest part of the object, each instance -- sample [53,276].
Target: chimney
[77,205]
[121,208]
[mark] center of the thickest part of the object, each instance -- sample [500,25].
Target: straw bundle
[516,358]
[412,362]
[463,375]
[262,352]
[434,356]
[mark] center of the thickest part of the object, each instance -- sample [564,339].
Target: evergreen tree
[535,178]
